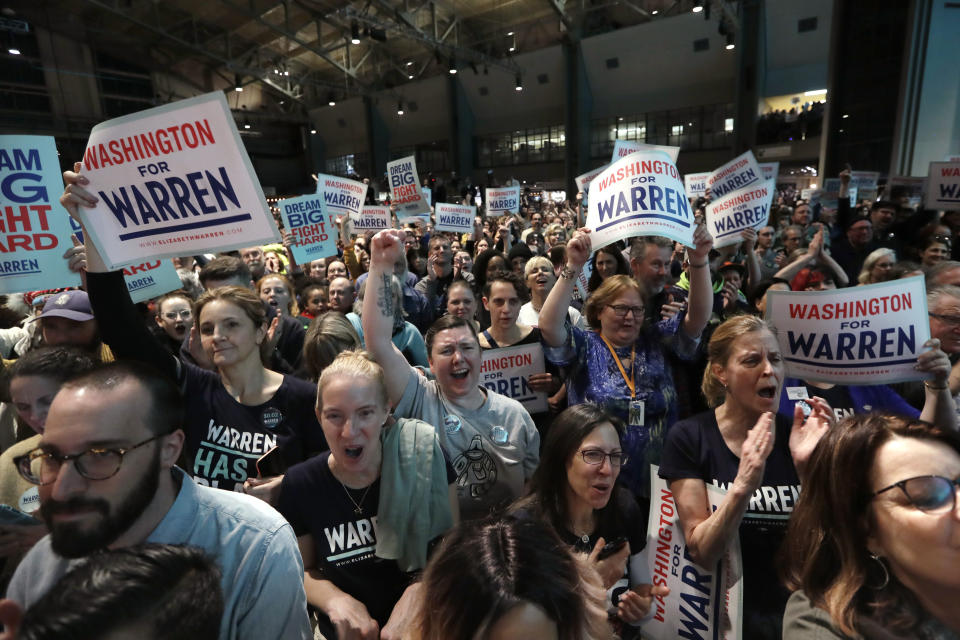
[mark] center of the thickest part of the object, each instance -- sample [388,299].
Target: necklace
[358,506]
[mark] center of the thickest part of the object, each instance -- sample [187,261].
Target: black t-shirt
[314,502]
[225,438]
[696,449]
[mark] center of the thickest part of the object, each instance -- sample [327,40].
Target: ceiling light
[13,51]
[238,89]
[410,64]
[246,125]
[331,100]
[400,108]
[654,12]
[519,86]
[453,66]
[846,115]
[313,131]
[698,7]
[354,33]
[509,33]
[815,92]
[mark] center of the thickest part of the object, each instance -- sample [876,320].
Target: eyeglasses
[953,321]
[621,310]
[930,494]
[42,467]
[186,314]
[596,457]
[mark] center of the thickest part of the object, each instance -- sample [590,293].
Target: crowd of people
[279,450]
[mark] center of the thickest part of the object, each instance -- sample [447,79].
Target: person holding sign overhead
[235,414]
[740,445]
[621,364]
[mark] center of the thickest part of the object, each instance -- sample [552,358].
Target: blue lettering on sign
[341,201]
[20,162]
[950,192]
[647,198]
[739,221]
[516,387]
[861,349]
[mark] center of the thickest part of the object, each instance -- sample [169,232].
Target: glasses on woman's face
[931,494]
[42,467]
[185,314]
[597,456]
[621,311]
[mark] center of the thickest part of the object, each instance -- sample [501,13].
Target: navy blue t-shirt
[225,438]
[696,449]
[314,502]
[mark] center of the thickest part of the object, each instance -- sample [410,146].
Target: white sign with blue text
[315,233]
[746,208]
[507,371]
[454,217]
[870,334]
[623,148]
[639,195]
[736,174]
[372,218]
[695,184]
[770,170]
[503,201]
[172,181]
[341,197]
[34,228]
[943,186]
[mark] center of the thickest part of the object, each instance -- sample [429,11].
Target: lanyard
[633,360]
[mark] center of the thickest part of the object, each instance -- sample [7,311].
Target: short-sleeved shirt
[594,376]
[494,449]
[344,540]
[695,448]
[225,438]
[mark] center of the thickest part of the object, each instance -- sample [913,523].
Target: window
[728,125]
[542,144]
[676,130]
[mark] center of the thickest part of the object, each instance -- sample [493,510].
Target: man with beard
[255,260]
[106,476]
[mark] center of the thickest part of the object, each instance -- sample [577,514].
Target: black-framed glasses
[42,467]
[621,310]
[951,320]
[597,456]
[930,494]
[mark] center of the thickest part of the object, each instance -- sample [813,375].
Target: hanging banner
[454,217]
[508,370]
[695,184]
[865,183]
[502,201]
[341,197]
[623,148]
[943,186]
[34,228]
[174,180]
[372,218]
[736,174]
[405,187]
[151,279]
[747,208]
[870,334]
[770,170]
[703,603]
[315,234]
[583,181]
[639,195]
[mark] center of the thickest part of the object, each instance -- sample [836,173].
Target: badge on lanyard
[637,413]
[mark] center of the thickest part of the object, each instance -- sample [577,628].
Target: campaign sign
[695,184]
[507,371]
[736,174]
[858,335]
[830,197]
[623,148]
[151,279]
[34,229]
[372,218]
[746,208]
[583,181]
[583,280]
[943,186]
[454,217]
[172,181]
[639,195]
[703,603]
[405,187]
[770,170]
[503,201]
[341,197]
[866,183]
[314,233]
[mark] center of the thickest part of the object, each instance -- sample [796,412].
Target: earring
[886,573]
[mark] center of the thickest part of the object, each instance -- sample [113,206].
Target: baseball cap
[74,305]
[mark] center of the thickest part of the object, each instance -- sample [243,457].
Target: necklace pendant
[358,511]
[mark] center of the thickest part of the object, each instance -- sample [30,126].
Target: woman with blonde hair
[878,266]
[277,291]
[384,480]
[756,455]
